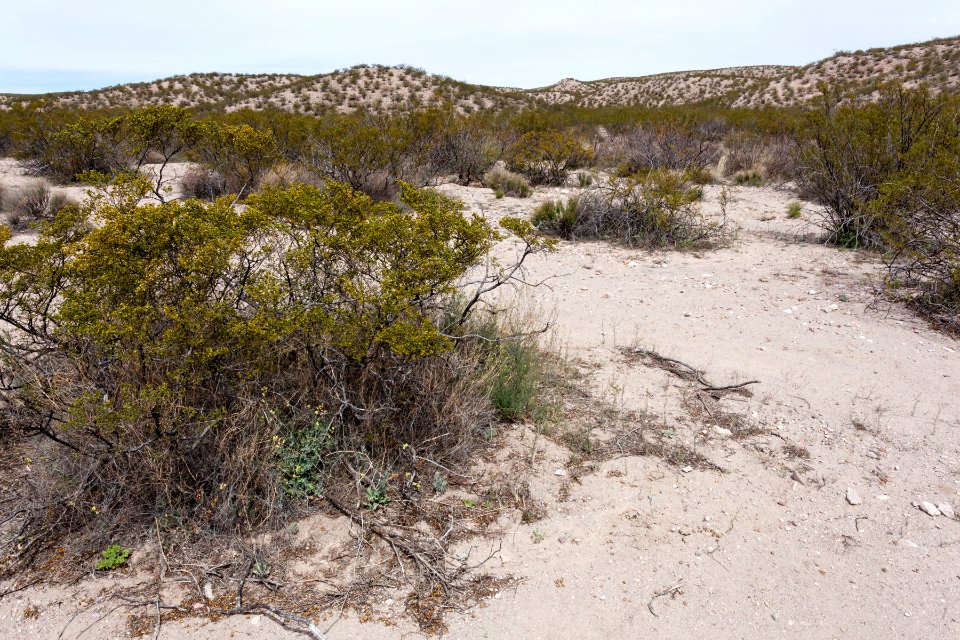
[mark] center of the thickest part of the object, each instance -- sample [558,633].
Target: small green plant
[515,381]
[113,557]
[301,455]
[377,496]
[537,536]
[794,209]
[498,193]
[439,483]
[584,180]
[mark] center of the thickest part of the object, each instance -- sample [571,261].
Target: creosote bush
[213,365]
[546,157]
[886,174]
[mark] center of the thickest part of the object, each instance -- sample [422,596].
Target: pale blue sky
[49,45]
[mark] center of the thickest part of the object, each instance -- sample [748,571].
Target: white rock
[687,469]
[560,472]
[909,544]
[720,431]
[853,497]
[929,508]
[947,509]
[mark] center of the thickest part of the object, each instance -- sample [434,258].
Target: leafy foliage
[113,557]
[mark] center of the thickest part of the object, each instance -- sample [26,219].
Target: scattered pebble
[853,497]
[929,508]
[560,472]
[946,509]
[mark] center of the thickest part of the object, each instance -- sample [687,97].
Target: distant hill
[384,89]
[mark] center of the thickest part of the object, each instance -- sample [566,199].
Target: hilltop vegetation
[382,89]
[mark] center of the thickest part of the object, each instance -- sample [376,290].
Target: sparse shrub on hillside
[507,182]
[546,157]
[794,209]
[654,209]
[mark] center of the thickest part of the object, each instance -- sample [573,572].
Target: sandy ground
[770,547]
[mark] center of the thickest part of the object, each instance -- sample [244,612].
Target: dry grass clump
[203,183]
[656,209]
[505,182]
[33,203]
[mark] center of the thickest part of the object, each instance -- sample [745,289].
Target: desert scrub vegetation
[505,182]
[653,209]
[207,369]
[547,157]
[886,175]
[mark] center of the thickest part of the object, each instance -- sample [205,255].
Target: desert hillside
[389,89]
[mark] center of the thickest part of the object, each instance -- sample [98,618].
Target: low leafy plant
[113,557]
[794,209]
[377,496]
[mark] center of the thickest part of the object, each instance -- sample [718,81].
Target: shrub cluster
[654,209]
[214,364]
[886,174]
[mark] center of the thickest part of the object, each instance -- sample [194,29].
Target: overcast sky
[49,45]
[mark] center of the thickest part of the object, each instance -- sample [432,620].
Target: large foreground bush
[206,365]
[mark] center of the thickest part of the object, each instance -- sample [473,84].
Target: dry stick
[672,592]
[409,551]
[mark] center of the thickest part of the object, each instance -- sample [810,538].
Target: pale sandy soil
[768,548]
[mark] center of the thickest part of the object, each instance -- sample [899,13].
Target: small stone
[946,509]
[909,544]
[720,431]
[873,454]
[687,314]
[853,497]
[687,469]
[929,508]
[560,472]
